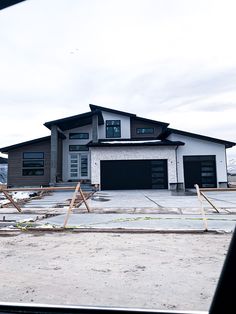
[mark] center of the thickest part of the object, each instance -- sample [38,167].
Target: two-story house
[118,150]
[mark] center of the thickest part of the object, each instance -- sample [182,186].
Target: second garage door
[134,174]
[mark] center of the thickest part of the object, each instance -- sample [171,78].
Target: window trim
[81,136]
[112,126]
[78,150]
[145,128]
[33,169]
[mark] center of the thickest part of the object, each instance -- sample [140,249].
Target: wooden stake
[84,200]
[11,200]
[71,204]
[202,207]
[207,199]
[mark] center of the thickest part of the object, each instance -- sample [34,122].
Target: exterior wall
[15,160]
[194,146]
[59,160]
[67,142]
[139,124]
[124,120]
[129,153]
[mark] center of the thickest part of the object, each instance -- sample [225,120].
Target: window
[78,136]
[33,164]
[113,128]
[145,130]
[75,148]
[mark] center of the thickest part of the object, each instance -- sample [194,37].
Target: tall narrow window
[33,164]
[113,129]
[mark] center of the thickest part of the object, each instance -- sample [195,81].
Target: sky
[168,60]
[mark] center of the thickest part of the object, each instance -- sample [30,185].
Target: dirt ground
[161,271]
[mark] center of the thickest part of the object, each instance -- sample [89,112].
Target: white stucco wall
[194,146]
[129,153]
[67,142]
[124,120]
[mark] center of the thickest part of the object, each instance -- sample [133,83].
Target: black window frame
[111,126]
[79,136]
[33,169]
[81,148]
[145,129]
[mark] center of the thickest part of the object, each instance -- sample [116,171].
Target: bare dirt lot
[161,271]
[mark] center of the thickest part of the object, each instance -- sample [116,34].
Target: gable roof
[227,144]
[37,140]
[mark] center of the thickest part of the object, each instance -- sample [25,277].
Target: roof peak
[100,108]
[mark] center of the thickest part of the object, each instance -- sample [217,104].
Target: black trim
[150,121]
[8,3]
[227,144]
[37,140]
[75,121]
[99,108]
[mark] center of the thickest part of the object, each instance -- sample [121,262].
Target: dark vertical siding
[15,158]
[140,124]
[59,160]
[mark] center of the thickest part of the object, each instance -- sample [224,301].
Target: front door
[78,167]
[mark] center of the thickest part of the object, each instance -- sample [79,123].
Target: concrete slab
[142,221]
[54,199]
[158,200]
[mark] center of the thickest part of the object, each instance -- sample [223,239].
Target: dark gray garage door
[200,170]
[134,174]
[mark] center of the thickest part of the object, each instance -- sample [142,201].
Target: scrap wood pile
[20,198]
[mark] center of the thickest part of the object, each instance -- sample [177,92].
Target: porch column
[54,152]
[95,128]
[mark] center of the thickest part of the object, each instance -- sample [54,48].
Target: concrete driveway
[159,201]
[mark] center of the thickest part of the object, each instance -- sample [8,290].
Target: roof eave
[15,146]
[227,144]
[100,108]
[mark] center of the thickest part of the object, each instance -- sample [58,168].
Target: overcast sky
[168,60]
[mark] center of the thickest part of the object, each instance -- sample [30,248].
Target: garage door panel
[200,170]
[133,174]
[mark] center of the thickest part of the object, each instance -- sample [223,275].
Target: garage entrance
[134,174]
[200,170]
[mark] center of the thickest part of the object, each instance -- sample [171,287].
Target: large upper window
[33,164]
[113,128]
[145,130]
[78,136]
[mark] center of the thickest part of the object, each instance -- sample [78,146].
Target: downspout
[226,164]
[176,166]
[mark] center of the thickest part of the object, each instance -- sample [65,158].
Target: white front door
[78,166]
